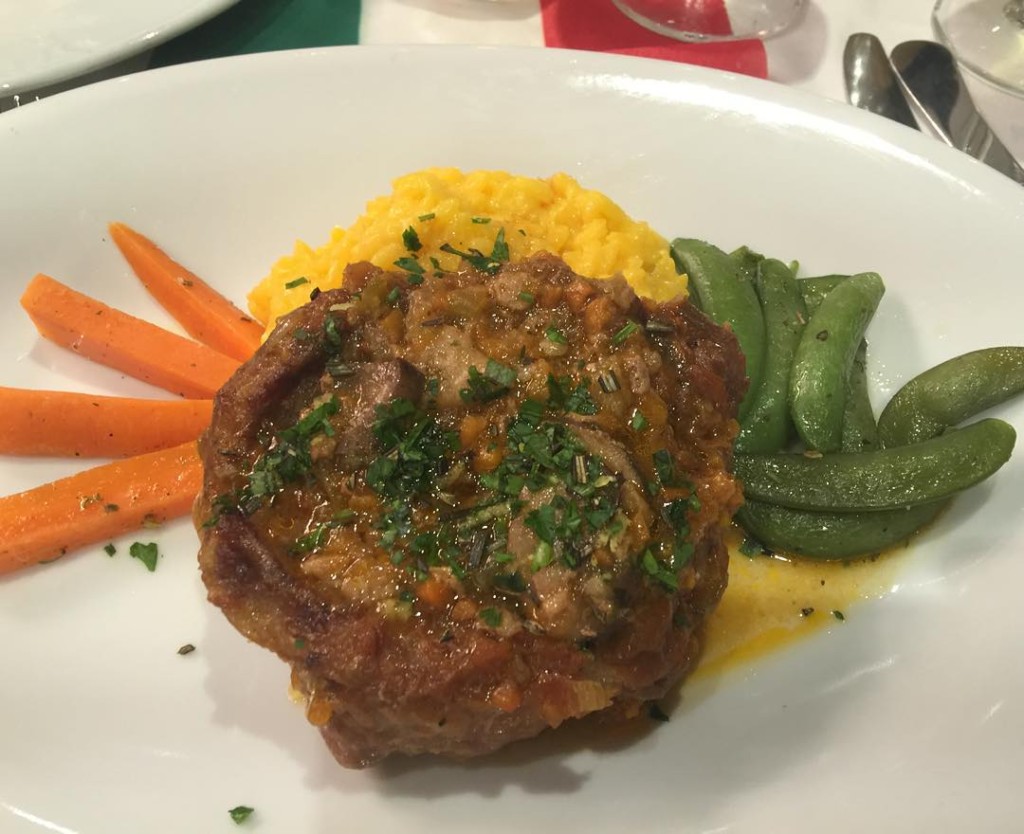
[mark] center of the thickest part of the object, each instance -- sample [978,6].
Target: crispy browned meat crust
[459,655]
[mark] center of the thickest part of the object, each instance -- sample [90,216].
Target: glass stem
[1014,10]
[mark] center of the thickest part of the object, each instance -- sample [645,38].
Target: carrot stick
[83,425]
[206,315]
[96,505]
[128,344]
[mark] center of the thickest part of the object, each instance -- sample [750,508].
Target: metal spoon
[871,83]
[930,77]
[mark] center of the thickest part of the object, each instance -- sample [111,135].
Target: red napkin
[597,25]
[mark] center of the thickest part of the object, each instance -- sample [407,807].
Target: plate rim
[108,54]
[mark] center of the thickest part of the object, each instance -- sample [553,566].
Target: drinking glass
[987,37]
[714,20]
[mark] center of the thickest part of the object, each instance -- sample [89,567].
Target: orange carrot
[129,344]
[83,425]
[96,505]
[205,314]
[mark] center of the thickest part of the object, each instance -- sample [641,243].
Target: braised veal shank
[467,507]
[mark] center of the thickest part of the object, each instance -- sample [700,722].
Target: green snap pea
[747,261]
[832,536]
[821,366]
[950,393]
[928,405]
[721,292]
[885,479]
[768,427]
[815,289]
[859,429]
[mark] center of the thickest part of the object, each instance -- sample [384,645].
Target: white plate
[909,716]
[44,42]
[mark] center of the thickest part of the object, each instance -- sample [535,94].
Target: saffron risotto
[465,211]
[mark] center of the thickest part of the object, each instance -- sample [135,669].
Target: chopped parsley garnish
[286,461]
[298,282]
[675,514]
[665,468]
[410,265]
[563,396]
[393,296]
[527,297]
[491,616]
[542,556]
[638,422]
[682,553]
[411,240]
[109,549]
[240,813]
[558,523]
[495,381]
[332,334]
[839,615]
[395,524]
[425,217]
[499,252]
[543,522]
[188,648]
[145,553]
[556,336]
[414,446]
[543,454]
[318,536]
[628,329]
[659,572]
[489,264]
[289,457]
[480,220]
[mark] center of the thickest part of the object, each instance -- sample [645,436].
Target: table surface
[808,57]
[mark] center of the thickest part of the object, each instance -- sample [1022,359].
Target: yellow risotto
[446,207]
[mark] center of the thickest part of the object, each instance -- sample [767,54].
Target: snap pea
[725,296]
[880,480]
[767,427]
[815,289]
[821,366]
[859,430]
[950,393]
[832,536]
[928,405]
[747,261]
